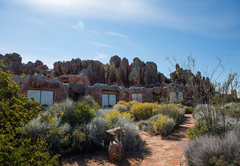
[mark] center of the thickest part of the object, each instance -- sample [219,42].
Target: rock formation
[14,63]
[117,72]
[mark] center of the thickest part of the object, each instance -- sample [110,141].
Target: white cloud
[116,34]
[100,56]
[74,27]
[101,45]
[95,32]
[200,16]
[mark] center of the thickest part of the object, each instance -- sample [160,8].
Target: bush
[80,141]
[189,110]
[90,101]
[174,111]
[16,110]
[81,114]
[199,129]
[108,119]
[208,150]
[96,130]
[162,125]
[143,111]
[131,139]
[113,116]
[145,125]
[206,112]
[123,106]
[120,107]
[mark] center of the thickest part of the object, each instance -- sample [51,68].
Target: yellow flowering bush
[120,107]
[112,117]
[143,111]
[171,110]
[123,106]
[162,124]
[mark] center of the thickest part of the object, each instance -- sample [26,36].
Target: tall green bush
[16,110]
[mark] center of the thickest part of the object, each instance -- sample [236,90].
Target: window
[176,96]
[137,97]
[42,96]
[108,100]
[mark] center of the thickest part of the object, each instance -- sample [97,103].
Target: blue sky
[58,30]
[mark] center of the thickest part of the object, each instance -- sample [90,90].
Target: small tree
[15,111]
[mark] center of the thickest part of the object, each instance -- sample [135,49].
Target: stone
[150,75]
[135,73]
[115,61]
[125,70]
[66,68]
[79,79]
[76,66]
[39,81]
[115,151]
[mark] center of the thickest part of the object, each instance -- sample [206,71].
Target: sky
[59,30]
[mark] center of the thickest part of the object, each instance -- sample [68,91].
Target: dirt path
[161,152]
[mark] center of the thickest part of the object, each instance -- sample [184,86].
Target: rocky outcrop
[36,81]
[117,72]
[135,73]
[14,63]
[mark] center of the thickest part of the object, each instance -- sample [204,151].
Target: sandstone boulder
[135,73]
[78,79]
[115,61]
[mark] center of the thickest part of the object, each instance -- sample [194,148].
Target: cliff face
[117,72]
[13,62]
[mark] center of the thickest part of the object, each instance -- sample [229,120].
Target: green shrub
[91,102]
[189,110]
[206,112]
[123,106]
[96,130]
[120,107]
[81,114]
[16,110]
[225,160]
[145,125]
[109,118]
[80,141]
[131,139]
[174,111]
[143,111]
[162,124]
[113,116]
[210,150]
[199,129]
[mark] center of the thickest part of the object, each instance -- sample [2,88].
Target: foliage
[131,139]
[120,107]
[199,129]
[145,125]
[108,119]
[123,106]
[225,160]
[96,130]
[210,150]
[112,117]
[174,111]
[162,125]
[143,111]
[15,111]
[81,114]
[90,101]
[189,110]
[80,141]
